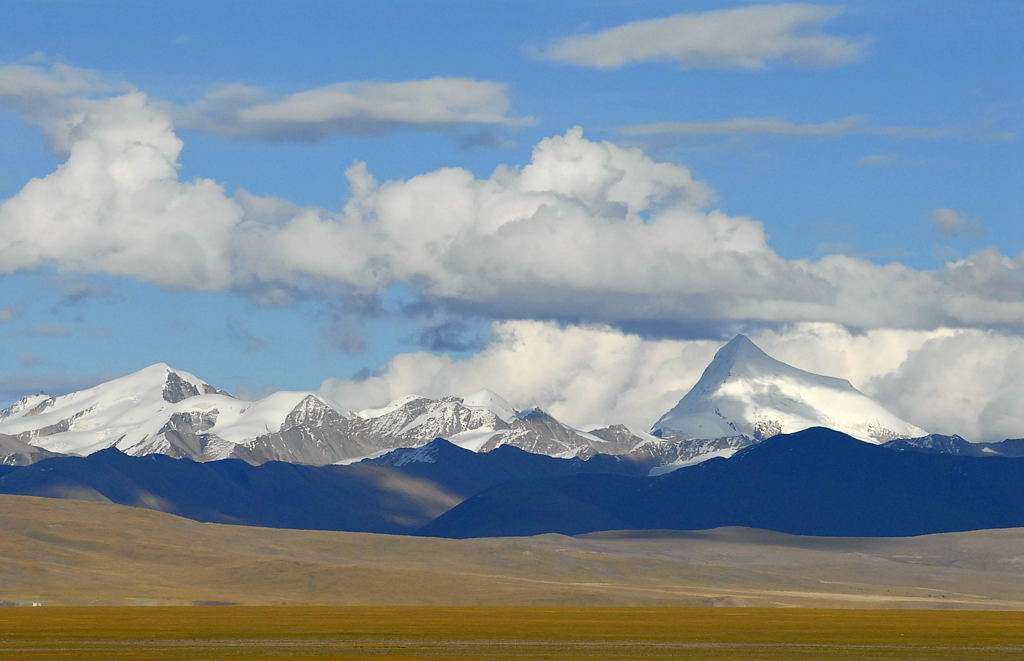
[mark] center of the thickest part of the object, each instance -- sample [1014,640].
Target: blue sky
[888,133]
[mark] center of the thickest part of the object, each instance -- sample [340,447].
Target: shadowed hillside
[814,482]
[396,493]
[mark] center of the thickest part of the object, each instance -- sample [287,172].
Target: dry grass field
[124,583]
[63,552]
[507,633]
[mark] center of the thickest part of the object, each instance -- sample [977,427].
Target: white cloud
[54,95]
[27,86]
[352,108]
[967,383]
[949,223]
[116,205]
[593,231]
[587,232]
[947,381]
[51,94]
[581,374]
[753,37]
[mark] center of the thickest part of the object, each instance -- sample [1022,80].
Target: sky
[572,204]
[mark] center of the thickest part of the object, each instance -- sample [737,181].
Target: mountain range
[755,442]
[810,454]
[814,482]
[161,410]
[743,397]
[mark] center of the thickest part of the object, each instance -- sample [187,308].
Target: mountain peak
[491,401]
[740,350]
[157,372]
[746,392]
[177,388]
[739,340]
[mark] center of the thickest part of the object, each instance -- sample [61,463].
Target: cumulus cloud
[949,223]
[581,374]
[592,375]
[593,231]
[587,231]
[116,205]
[967,383]
[753,37]
[351,108]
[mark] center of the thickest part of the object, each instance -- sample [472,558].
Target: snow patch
[426,454]
[490,401]
[367,414]
[473,439]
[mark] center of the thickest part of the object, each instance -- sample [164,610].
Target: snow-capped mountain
[745,396]
[670,453]
[155,410]
[125,411]
[479,422]
[161,410]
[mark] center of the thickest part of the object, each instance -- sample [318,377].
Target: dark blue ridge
[367,497]
[814,482]
[467,472]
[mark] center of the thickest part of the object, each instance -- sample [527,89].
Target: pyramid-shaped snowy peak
[746,392]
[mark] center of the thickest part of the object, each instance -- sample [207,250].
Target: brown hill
[74,552]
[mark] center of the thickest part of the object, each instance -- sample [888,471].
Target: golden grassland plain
[418,632]
[63,552]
